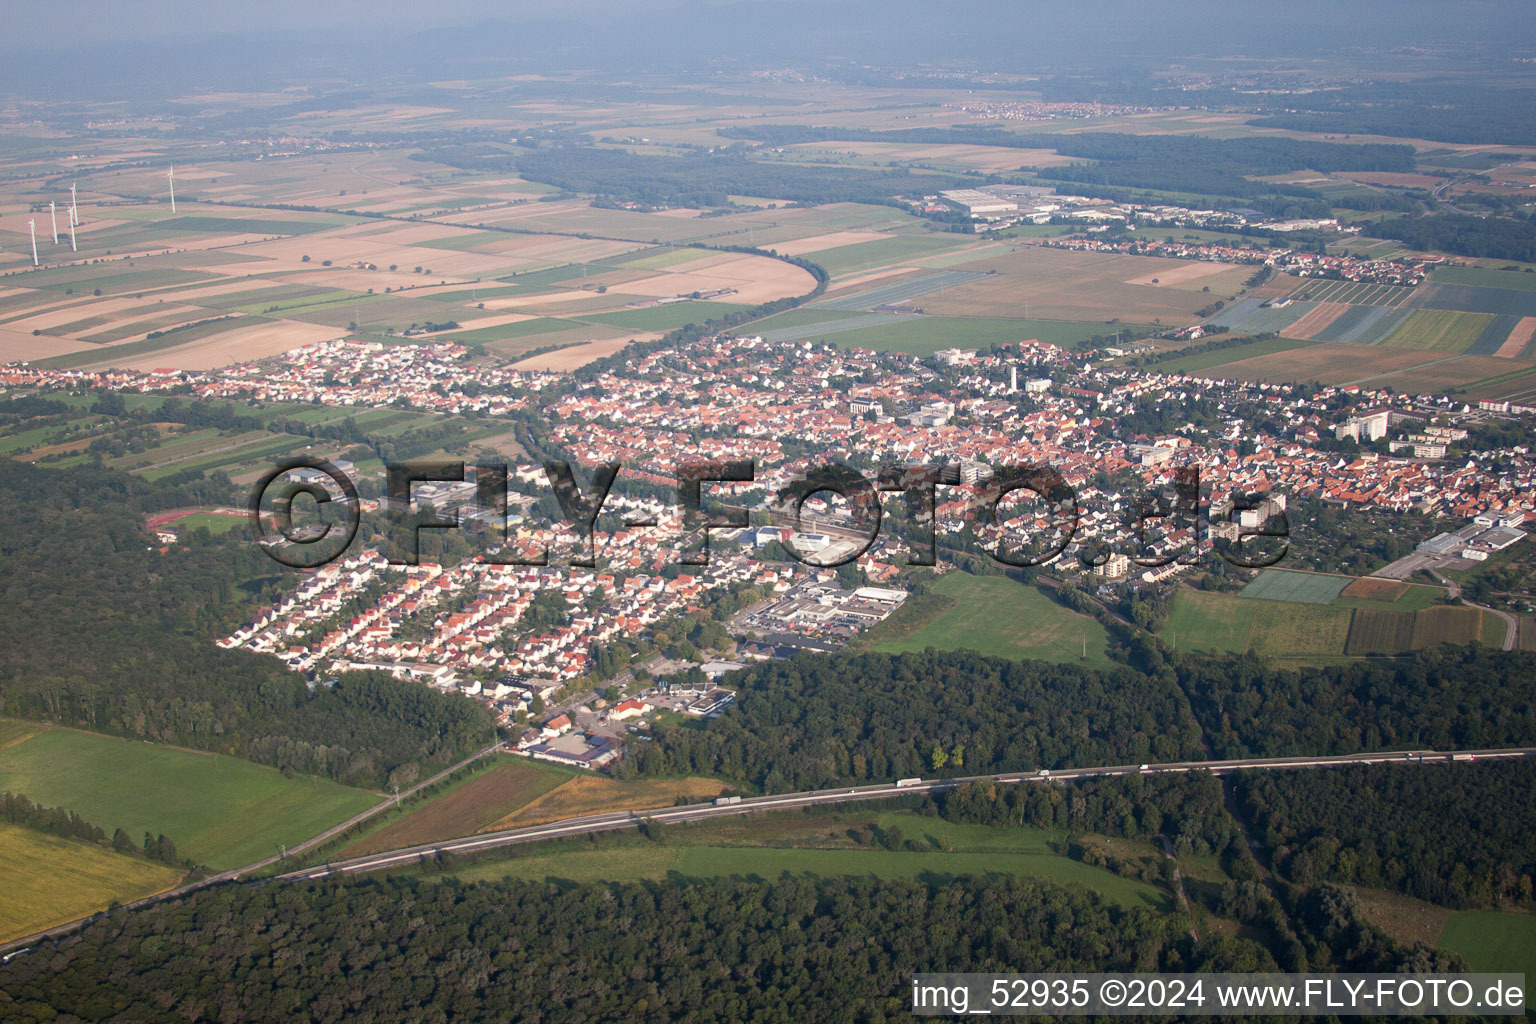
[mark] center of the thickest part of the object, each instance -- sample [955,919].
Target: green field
[758,847]
[1297,587]
[658,259]
[846,259]
[998,616]
[1439,330]
[1482,277]
[49,880]
[925,335]
[1220,357]
[218,810]
[213,523]
[1226,623]
[1492,941]
[664,318]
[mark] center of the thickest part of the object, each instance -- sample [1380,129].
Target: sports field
[997,616]
[49,880]
[1298,587]
[218,810]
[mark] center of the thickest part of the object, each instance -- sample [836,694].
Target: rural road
[697,812]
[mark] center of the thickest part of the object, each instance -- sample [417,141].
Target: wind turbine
[33,225]
[54,217]
[170,176]
[74,216]
[72,246]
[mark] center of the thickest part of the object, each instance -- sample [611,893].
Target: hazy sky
[46,25]
[106,48]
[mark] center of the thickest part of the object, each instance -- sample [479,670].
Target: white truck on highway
[905,783]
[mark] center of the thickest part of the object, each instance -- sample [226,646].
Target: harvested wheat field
[1317,319]
[1192,270]
[239,345]
[1519,337]
[574,358]
[816,243]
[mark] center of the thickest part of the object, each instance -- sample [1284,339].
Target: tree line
[814,722]
[1384,826]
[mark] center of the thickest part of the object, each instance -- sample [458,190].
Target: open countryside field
[290,278]
[769,846]
[1439,330]
[1018,622]
[925,335]
[1491,940]
[593,794]
[218,810]
[1282,630]
[466,808]
[49,880]
[1066,285]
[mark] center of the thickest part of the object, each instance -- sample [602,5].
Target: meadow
[1226,623]
[49,880]
[998,616]
[770,846]
[925,335]
[1493,941]
[218,810]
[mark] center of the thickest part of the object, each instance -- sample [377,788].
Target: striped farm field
[1391,632]
[1355,293]
[1518,340]
[1316,320]
[1439,330]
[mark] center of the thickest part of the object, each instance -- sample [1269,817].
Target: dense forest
[1383,826]
[794,950]
[103,630]
[1502,238]
[710,179]
[812,722]
[1443,698]
[1176,163]
[1187,808]
[1444,110]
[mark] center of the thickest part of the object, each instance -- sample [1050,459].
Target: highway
[594,823]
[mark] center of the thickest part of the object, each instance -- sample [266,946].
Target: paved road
[627,819]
